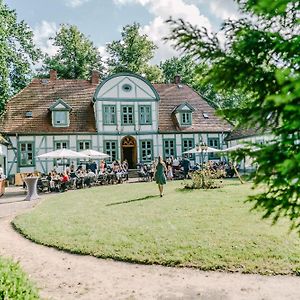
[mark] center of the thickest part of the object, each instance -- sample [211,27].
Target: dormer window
[60,113]
[186,118]
[183,114]
[60,118]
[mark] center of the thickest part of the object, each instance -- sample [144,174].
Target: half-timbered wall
[46,143]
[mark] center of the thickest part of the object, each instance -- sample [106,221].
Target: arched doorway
[129,150]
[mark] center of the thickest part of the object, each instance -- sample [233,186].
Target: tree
[260,60]
[132,54]
[77,56]
[17,54]
[184,66]
[190,73]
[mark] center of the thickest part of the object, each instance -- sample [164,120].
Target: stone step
[132,173]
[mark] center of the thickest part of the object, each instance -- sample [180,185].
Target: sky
[102,20]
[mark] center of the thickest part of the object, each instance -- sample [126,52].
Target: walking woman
[160,176]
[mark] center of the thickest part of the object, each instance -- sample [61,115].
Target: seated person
[73,178]
[89,178]
[64,180]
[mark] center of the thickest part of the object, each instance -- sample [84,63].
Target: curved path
[61,275]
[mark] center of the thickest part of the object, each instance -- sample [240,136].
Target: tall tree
[133,53]
[190,74]
[184,66]
[77,56]
[261,61]
[17,54]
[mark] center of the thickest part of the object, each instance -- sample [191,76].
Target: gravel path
[61,275]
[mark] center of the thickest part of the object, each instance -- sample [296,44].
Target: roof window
[205,116]
[28,114]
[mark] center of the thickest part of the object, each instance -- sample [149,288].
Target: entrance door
[128,145]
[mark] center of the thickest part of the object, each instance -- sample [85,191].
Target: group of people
[83,176]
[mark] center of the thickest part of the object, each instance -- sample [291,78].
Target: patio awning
[63,153]
[95,154]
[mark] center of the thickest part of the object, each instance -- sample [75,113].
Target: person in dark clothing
[185,164]
[93,167]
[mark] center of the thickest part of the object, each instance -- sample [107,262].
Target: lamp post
[201,148]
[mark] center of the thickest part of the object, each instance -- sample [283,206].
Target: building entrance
[129,151]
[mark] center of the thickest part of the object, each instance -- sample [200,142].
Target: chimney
[177,79]
[53,74]
[95,77]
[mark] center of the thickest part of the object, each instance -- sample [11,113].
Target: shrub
[14,283]
[205,179]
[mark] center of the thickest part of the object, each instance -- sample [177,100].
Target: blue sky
[102,20]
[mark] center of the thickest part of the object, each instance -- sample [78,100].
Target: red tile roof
[40,94]
[172,95]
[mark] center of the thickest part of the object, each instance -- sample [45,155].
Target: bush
[205,179]
[14,283]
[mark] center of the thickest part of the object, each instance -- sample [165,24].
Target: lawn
[14,283]
[205,229]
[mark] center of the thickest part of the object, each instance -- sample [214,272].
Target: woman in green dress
[160,176]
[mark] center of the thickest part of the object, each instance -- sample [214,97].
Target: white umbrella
[240,146]
[197,150]
[63,153]
[95,154]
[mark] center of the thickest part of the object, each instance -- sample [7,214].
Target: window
[60,118]
[188,144]
[110,148]
[83,145]
[109,115]
[145,115]
[26,154]
[61,145]
[215,143]
[169,148]
[186,118]
[146,153]
[126,87]
[127,115]
[60,113]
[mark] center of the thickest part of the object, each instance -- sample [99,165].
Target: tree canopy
[191,74]
[132,53]
[260,61]
[17,54]
[77,56]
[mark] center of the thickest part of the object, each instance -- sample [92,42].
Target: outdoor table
[31,183]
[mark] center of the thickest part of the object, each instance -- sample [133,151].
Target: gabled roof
[242,133]
[184,107]
[173,95]
[39,95]
[60,104]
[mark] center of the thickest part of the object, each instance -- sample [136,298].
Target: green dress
[160,176]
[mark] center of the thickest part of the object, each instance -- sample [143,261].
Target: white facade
[126,109]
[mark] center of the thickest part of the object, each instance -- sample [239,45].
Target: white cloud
[224,9]
[42,32]
[163,10]
[75,3]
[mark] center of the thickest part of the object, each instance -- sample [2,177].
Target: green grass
[14,283]
[206,229]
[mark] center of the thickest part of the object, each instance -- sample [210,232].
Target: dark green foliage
[77,56]
[17,54]
[132,54]
[14,283]
[191,74]
[261,62]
